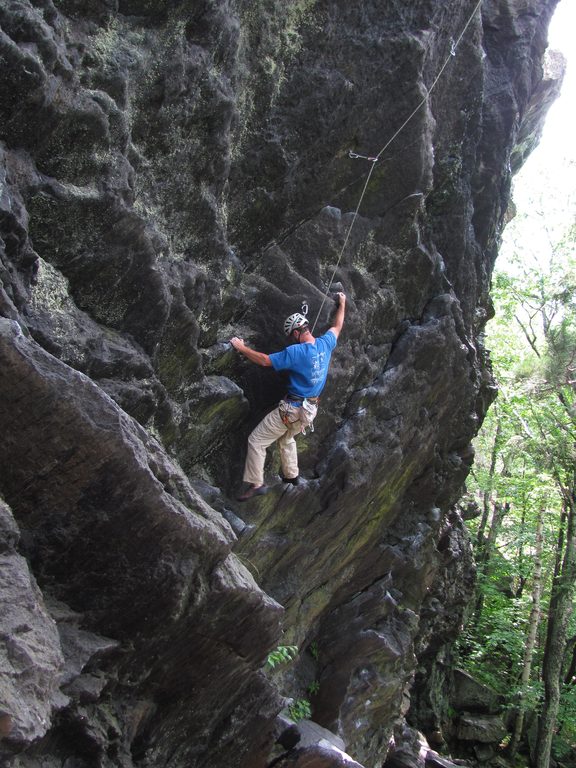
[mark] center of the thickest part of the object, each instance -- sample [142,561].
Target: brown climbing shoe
[253,491]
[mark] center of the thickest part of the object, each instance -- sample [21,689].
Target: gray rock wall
[175,172]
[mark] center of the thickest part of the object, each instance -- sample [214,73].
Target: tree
[560,611]
[533,625]
[526,467]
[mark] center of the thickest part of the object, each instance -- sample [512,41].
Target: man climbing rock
[307,362]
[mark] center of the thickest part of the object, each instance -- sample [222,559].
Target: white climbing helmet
[293,322]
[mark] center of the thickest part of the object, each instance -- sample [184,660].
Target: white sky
[545,188]
[558,137]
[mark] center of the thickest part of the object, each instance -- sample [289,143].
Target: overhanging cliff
[174,173]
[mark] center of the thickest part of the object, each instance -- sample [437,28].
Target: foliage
[491,649]
[567,723]
[283,654]
[525,465]
[313,688]
[300,709]
[314,650]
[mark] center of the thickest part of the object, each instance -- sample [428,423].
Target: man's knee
[254,443]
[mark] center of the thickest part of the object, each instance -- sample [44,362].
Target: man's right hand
[341,297]
[260,358]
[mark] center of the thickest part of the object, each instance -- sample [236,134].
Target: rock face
[32,659]
[172,173]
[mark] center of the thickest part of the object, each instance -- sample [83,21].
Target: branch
[522,421]
[531,339]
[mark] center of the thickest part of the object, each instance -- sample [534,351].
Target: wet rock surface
[174,173]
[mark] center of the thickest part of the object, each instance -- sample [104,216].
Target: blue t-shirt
[307,364]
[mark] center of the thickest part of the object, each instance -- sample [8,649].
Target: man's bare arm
[260,358]
[340,312]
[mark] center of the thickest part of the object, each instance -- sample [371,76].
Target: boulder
[321,755]
[486,729]
[471,695]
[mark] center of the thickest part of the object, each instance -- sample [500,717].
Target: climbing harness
[285,416]
[373,160]
[303,408]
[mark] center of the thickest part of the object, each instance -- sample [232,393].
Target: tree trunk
[519,590]
[570,677]
[559,614]
[487,495]
[485,555]
[533,624]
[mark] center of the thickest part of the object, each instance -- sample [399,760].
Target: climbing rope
[373,160]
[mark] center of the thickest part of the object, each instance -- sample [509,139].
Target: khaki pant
[270,430]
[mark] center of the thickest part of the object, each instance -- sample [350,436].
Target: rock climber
[307,362]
